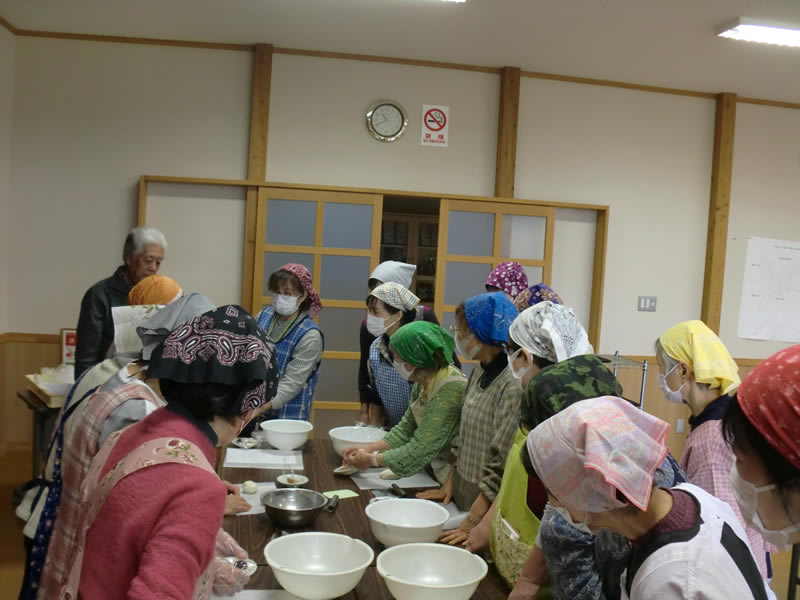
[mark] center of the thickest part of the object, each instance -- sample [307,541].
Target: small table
[253,532]
[44,421]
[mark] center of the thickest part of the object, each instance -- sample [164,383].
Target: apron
[514,526]
[95,492]
[441,464]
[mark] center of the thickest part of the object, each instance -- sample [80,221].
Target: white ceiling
[660,42]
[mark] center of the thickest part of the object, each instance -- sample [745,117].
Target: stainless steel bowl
[293,507]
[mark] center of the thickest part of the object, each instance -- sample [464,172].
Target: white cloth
[700,568]
[392,271]
[550,331]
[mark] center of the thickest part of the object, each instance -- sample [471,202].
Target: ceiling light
[762,31]
[458,1]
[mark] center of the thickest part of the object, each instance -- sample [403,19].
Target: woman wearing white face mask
[299,342]
[597,460]
[389,306]
[762,424]
[422,354]
[695,368]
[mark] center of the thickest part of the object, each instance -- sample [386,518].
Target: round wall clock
[386,120]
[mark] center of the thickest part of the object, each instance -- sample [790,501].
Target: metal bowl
[293,507]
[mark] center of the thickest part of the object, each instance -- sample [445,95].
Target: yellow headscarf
[695,344]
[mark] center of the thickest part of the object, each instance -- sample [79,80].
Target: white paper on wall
[770,306]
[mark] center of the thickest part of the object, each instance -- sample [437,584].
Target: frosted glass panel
[470,233]
[344,277]
[341,327]
[523,237]
[448,321]
[465,280]
[347,226]
[534,275]
[290,222]
[275,260]
[338,381]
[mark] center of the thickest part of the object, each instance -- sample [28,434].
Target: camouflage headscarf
[555,387]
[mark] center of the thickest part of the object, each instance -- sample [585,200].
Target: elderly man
[142,255]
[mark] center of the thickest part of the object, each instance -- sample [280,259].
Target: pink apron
[94,494]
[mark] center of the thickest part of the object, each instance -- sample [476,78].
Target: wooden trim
[598,277]
[549,243]
[259,112]
[317,250]
[142,205]
[718,210]
[11,29]
[762,102]
[322,405]
[360,190]
[30,338]
[341,355]
[495,260]
[249,249]
[258,257]
[118,39]
[441,262]
[385,59]
[497,233]
[618,84]
[450,307]
[375,241]
[508,120]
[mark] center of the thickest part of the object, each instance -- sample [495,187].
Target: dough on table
[249,487]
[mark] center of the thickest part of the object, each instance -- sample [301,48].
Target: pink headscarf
[589,450]
[770,397]
[304,276]
[509,277]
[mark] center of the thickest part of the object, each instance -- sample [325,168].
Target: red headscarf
[304,276]
[770,397]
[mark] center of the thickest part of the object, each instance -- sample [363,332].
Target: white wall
[765,202]
[206,256]
[7,55]
[648,157]
[89,119]
[317,131]
[573,259]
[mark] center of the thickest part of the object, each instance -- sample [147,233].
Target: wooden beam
[718,210]
[249,250]
[259,113]
[505,168]
[619,84]
[141,217]
[11,29]
[598,277]
[119,39]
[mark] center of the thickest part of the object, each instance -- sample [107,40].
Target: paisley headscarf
[225,346]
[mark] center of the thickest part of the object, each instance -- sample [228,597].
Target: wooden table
[44,421]
[253,532]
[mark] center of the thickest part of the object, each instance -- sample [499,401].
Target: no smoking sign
[435,123]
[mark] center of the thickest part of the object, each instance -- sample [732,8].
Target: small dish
[295,481]
[247,565]
[245,442]
[345,470]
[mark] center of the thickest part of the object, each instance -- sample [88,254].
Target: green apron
[512,513]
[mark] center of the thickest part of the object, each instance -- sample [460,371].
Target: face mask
[746,494]
[284,304]
[672,396]
[400,367]
[377,326]
[461,348]
[517,374]
[584,527]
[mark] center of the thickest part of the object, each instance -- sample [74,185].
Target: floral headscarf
[417,343]
[509,277]
[226,346]
[304,276]
[489,317]
[541,292]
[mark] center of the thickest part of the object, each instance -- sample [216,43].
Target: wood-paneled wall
[21,353]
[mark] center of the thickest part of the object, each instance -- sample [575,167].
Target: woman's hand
[228,580]
[444,494]
[524,589]
[459,536]
[359,458]
[234,503]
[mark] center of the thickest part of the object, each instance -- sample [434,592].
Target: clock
[386,120]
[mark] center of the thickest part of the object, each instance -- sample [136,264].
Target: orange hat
[155,289]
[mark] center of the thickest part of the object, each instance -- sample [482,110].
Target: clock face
[386,120]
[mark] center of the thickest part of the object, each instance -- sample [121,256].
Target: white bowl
[430,572]
[354,437]
[397,521]
[286,434]
[316,565]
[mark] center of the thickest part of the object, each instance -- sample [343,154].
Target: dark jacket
[95,325]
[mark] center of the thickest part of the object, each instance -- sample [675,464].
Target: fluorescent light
[762,31]
[457,1]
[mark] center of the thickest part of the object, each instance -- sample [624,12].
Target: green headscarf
[417,342]
[555,387]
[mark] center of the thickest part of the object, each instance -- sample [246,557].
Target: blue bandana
[489,316]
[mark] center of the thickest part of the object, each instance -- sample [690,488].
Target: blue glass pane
[290,222]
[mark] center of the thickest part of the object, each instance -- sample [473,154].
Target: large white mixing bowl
[354,437]
[405,520]
[286,434]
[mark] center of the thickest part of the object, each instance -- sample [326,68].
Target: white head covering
[550,331]
[392,271]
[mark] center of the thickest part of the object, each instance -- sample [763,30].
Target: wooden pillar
[718,210]
[507,133]
[256,161]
